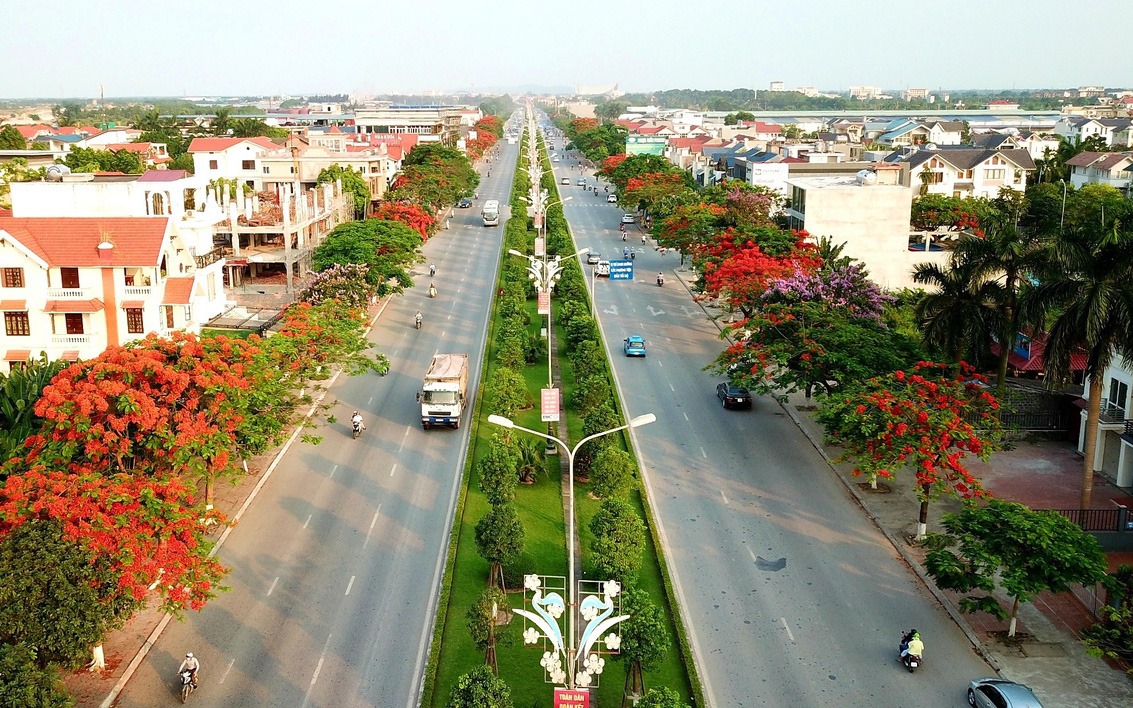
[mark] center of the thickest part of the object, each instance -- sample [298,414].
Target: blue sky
[174,47]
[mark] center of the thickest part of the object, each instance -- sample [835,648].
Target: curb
[160,628]
[893,541]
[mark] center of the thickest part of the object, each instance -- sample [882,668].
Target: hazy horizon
[288,47]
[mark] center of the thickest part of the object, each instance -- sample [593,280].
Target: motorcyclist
[417,319]
[432,290]
[356,421]
[911,644]
[660,278]
[624,235]
[432,269]
[623,228]
[192,665]
[625,251]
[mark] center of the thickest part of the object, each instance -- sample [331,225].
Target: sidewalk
[1051,659]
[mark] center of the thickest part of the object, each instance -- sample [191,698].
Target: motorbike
[417,322]
[623,235]
[432,291]
[660,281]
[910,661]
[357,427]
[187,686]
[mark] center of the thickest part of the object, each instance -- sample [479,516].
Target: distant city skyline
[208,48]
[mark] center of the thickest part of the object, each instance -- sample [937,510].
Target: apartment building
[431,123]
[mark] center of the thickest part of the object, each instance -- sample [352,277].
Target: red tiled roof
[162,175]
[70,355]
[178,291]
[651,130]
[129,147]
[695,141]
[1002,102]
[5,212]
[13,305]
[335,129]
[29,131]
[221,144]
[17,355]
[1036,362]
[73,241]
[92,305]
[133,304]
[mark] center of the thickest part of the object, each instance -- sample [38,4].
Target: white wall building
[230,158]
[1113,449]
[966,172]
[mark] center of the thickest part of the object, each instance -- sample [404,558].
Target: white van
[602,270]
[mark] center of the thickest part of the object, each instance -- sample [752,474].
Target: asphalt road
[794,598]
[336,565]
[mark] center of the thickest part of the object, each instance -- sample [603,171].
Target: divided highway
[336,565]
[793,597]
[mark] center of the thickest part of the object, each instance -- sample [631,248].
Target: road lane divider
[272,587]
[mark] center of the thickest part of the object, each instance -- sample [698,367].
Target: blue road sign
[621,270]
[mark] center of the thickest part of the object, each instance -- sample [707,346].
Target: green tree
[1113,636]
[611,473]
[645,639]
[11,139]
[480,688]
[497,471]
[220,122]
[619,542]
[731,119]
[256,127]
[1086,295]
[182,162]
[745,115]
[481,619]
[352,182]
[661,698]
[610,110]
[1008,545]
[19,390]
[529,453]
[387,248]
[508,392]
[499,537]
[23,684]
[52,598]
[956,315]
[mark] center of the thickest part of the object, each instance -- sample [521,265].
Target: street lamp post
[508,423]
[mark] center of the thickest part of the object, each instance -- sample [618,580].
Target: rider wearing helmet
[192,665]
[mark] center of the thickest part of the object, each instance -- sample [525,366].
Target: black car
[465,203]
[733,396]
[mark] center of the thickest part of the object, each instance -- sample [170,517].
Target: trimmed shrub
[591,391]
[498,470]
[611,473]
[619,541]
[508,392]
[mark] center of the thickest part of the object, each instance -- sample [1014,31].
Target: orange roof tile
[17,355]
[178,291]
[73,242]
[13,305]
[92,305]
[70,355]
[221,144]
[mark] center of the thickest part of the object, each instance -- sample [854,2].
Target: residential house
[231,158]
[868,212]
[1036,144]
[1113,450]
[430,123]
[71,287]
[186,200]
[110,136]
[1101,168]
[966,172]
[911,132]
[1115,132]
[1002,105]
[759,130]
[152,155]
[298,162]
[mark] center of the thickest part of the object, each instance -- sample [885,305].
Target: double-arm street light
[571,649]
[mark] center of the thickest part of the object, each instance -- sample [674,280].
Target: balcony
[71,338]
[137,291]
[206,259]
[69,294]
[1111,412]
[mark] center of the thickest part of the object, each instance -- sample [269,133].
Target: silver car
[995,692]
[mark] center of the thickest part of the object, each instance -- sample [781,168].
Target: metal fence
[1102,520]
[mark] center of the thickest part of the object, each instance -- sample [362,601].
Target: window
[994,174]
[267,170]
[74,322]
[169,316]
[247,164]
[69,277]
[13,277]
[964,174]
[134,324]
[1118,393]
[213,165]
[16,324]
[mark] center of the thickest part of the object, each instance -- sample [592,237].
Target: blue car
[634,346]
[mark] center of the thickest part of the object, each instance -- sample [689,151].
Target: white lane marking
[672,389]
[372,522]
[273,585]
[442,333]
[703,453]
[230,663]
[723,495]
[318,668]
[660,364]
[789,635]
[403,437]
[685,415]
[308,520]
[751,553]
[370,401]
[393,469]
[349,585]
[334,470]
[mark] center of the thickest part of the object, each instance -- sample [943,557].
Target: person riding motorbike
[432,270]
[417,319]
[624,235]
[432,290]
[623,228]
[643,238]
[625,252]
[192,665]
[356,421]
[911,644]
[660,279]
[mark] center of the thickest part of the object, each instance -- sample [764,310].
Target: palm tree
[220,123]
[958,318]
[1087,291]
[999,264]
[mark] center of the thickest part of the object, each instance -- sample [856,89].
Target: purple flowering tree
[845,288]
[344,282]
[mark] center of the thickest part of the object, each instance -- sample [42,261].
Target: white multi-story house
[1117,132]
[903,132]
[230,158]
[1113,450]
[300,161]
[70,287]
[1102,168]
[966,172]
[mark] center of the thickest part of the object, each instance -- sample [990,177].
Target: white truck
[442,396]
[491,212]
